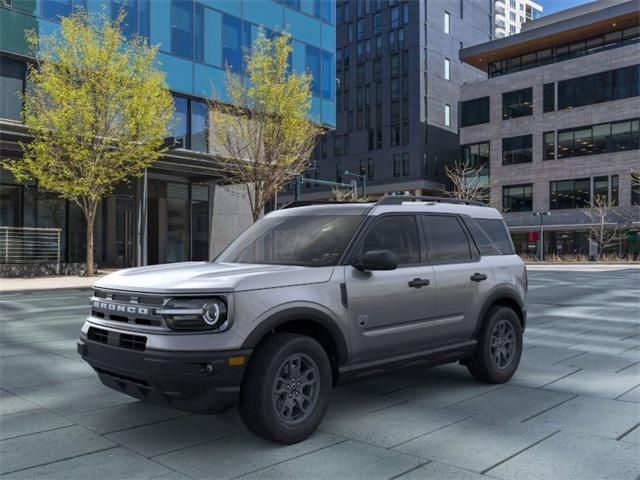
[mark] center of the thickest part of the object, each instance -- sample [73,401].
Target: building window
[312,64]
[405,133]
[396,166]
[570,193]
[635,188]
[378,138]
[136,20]
[447,69]
[549,97]
[447,115]
[517,150]
[231,42]
[377,23]
[12,80]
[405,13]
[518,103]
[447,23]
[601,187]
[394,65]
[394,17]
[371,140]
[603,138]
[474,112]
[517,198]
[180,122]
[405,164]
[182,28]
[328,75]
[190,124]
[345,144]
[199,126]
[339,172]
[395,135]
[53,10]
[599,87]
[549,145]
[337,145]
[477,156]
[370,168]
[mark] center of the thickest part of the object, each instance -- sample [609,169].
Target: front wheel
[285,391]
[499,346]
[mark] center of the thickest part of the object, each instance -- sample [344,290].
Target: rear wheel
[286,388]
[499,346]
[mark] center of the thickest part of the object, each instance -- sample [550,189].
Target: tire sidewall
[500,375]
[295,433]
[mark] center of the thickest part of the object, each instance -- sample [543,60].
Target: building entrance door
[125,231]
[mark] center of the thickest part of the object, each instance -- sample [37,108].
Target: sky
[553,6]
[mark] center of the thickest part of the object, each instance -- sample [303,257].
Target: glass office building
[166,216]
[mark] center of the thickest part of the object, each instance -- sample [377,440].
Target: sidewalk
[48,283]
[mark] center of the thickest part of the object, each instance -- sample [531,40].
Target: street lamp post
[541,215]
[361,177]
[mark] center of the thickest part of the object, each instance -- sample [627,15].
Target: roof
[566,26]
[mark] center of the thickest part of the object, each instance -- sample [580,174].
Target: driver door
[387,316]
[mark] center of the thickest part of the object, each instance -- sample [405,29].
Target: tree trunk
[90,223]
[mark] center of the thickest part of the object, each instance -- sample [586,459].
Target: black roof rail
[398,199]
[307,203]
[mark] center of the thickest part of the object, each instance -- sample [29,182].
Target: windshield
[309,241]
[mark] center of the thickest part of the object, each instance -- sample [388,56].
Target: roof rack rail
[307,203]
[399,199]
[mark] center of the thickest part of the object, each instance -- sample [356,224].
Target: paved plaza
[572,411]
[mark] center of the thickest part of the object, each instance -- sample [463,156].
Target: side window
[448,243]
[497,232]
[484,243]
[398,233]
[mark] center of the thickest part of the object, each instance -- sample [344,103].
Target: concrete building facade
[558,117]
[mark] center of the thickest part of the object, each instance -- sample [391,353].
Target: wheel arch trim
[502,292]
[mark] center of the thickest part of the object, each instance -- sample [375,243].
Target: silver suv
[308,297]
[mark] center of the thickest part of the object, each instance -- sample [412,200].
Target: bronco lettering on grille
[116,307]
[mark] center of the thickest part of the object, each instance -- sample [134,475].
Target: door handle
[418,283]
[478,277]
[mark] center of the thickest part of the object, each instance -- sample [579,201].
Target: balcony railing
[30,245]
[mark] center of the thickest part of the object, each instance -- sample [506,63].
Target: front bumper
[197,382]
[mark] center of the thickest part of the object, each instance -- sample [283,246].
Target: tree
[467,182]
[98,108]
[605,222]
[262,132]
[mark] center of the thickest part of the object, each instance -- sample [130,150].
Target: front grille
[116,339]
[128,308]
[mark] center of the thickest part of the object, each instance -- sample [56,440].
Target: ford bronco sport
[308,297]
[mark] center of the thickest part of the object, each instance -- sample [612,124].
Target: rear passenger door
[462,277]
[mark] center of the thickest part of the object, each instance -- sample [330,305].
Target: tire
[497,363]
[270,405]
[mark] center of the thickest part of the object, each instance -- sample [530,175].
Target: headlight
[195,314]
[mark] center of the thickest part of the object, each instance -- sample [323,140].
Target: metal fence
[30,245]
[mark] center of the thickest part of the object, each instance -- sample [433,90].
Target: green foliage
[98,107]
[262,133]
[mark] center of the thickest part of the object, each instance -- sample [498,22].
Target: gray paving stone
[445,391]
[351,460]
[474,444]
[116,463]
[572,456]
[599,362]
[394,425]
[10,403]
[632,395]
[440,471]
[163,437]
[545,355]
[40,448]
[40,368]
[515,403]
[348,402]
[535,376]
[633,436]
[128,415]
[596,383]
[238,455]
[33,421]
[607,418]
[74,396]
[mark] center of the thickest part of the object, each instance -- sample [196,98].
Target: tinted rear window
[497,232]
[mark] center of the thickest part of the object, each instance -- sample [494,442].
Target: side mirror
[377,260]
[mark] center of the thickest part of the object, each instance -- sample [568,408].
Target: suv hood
[207,277]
